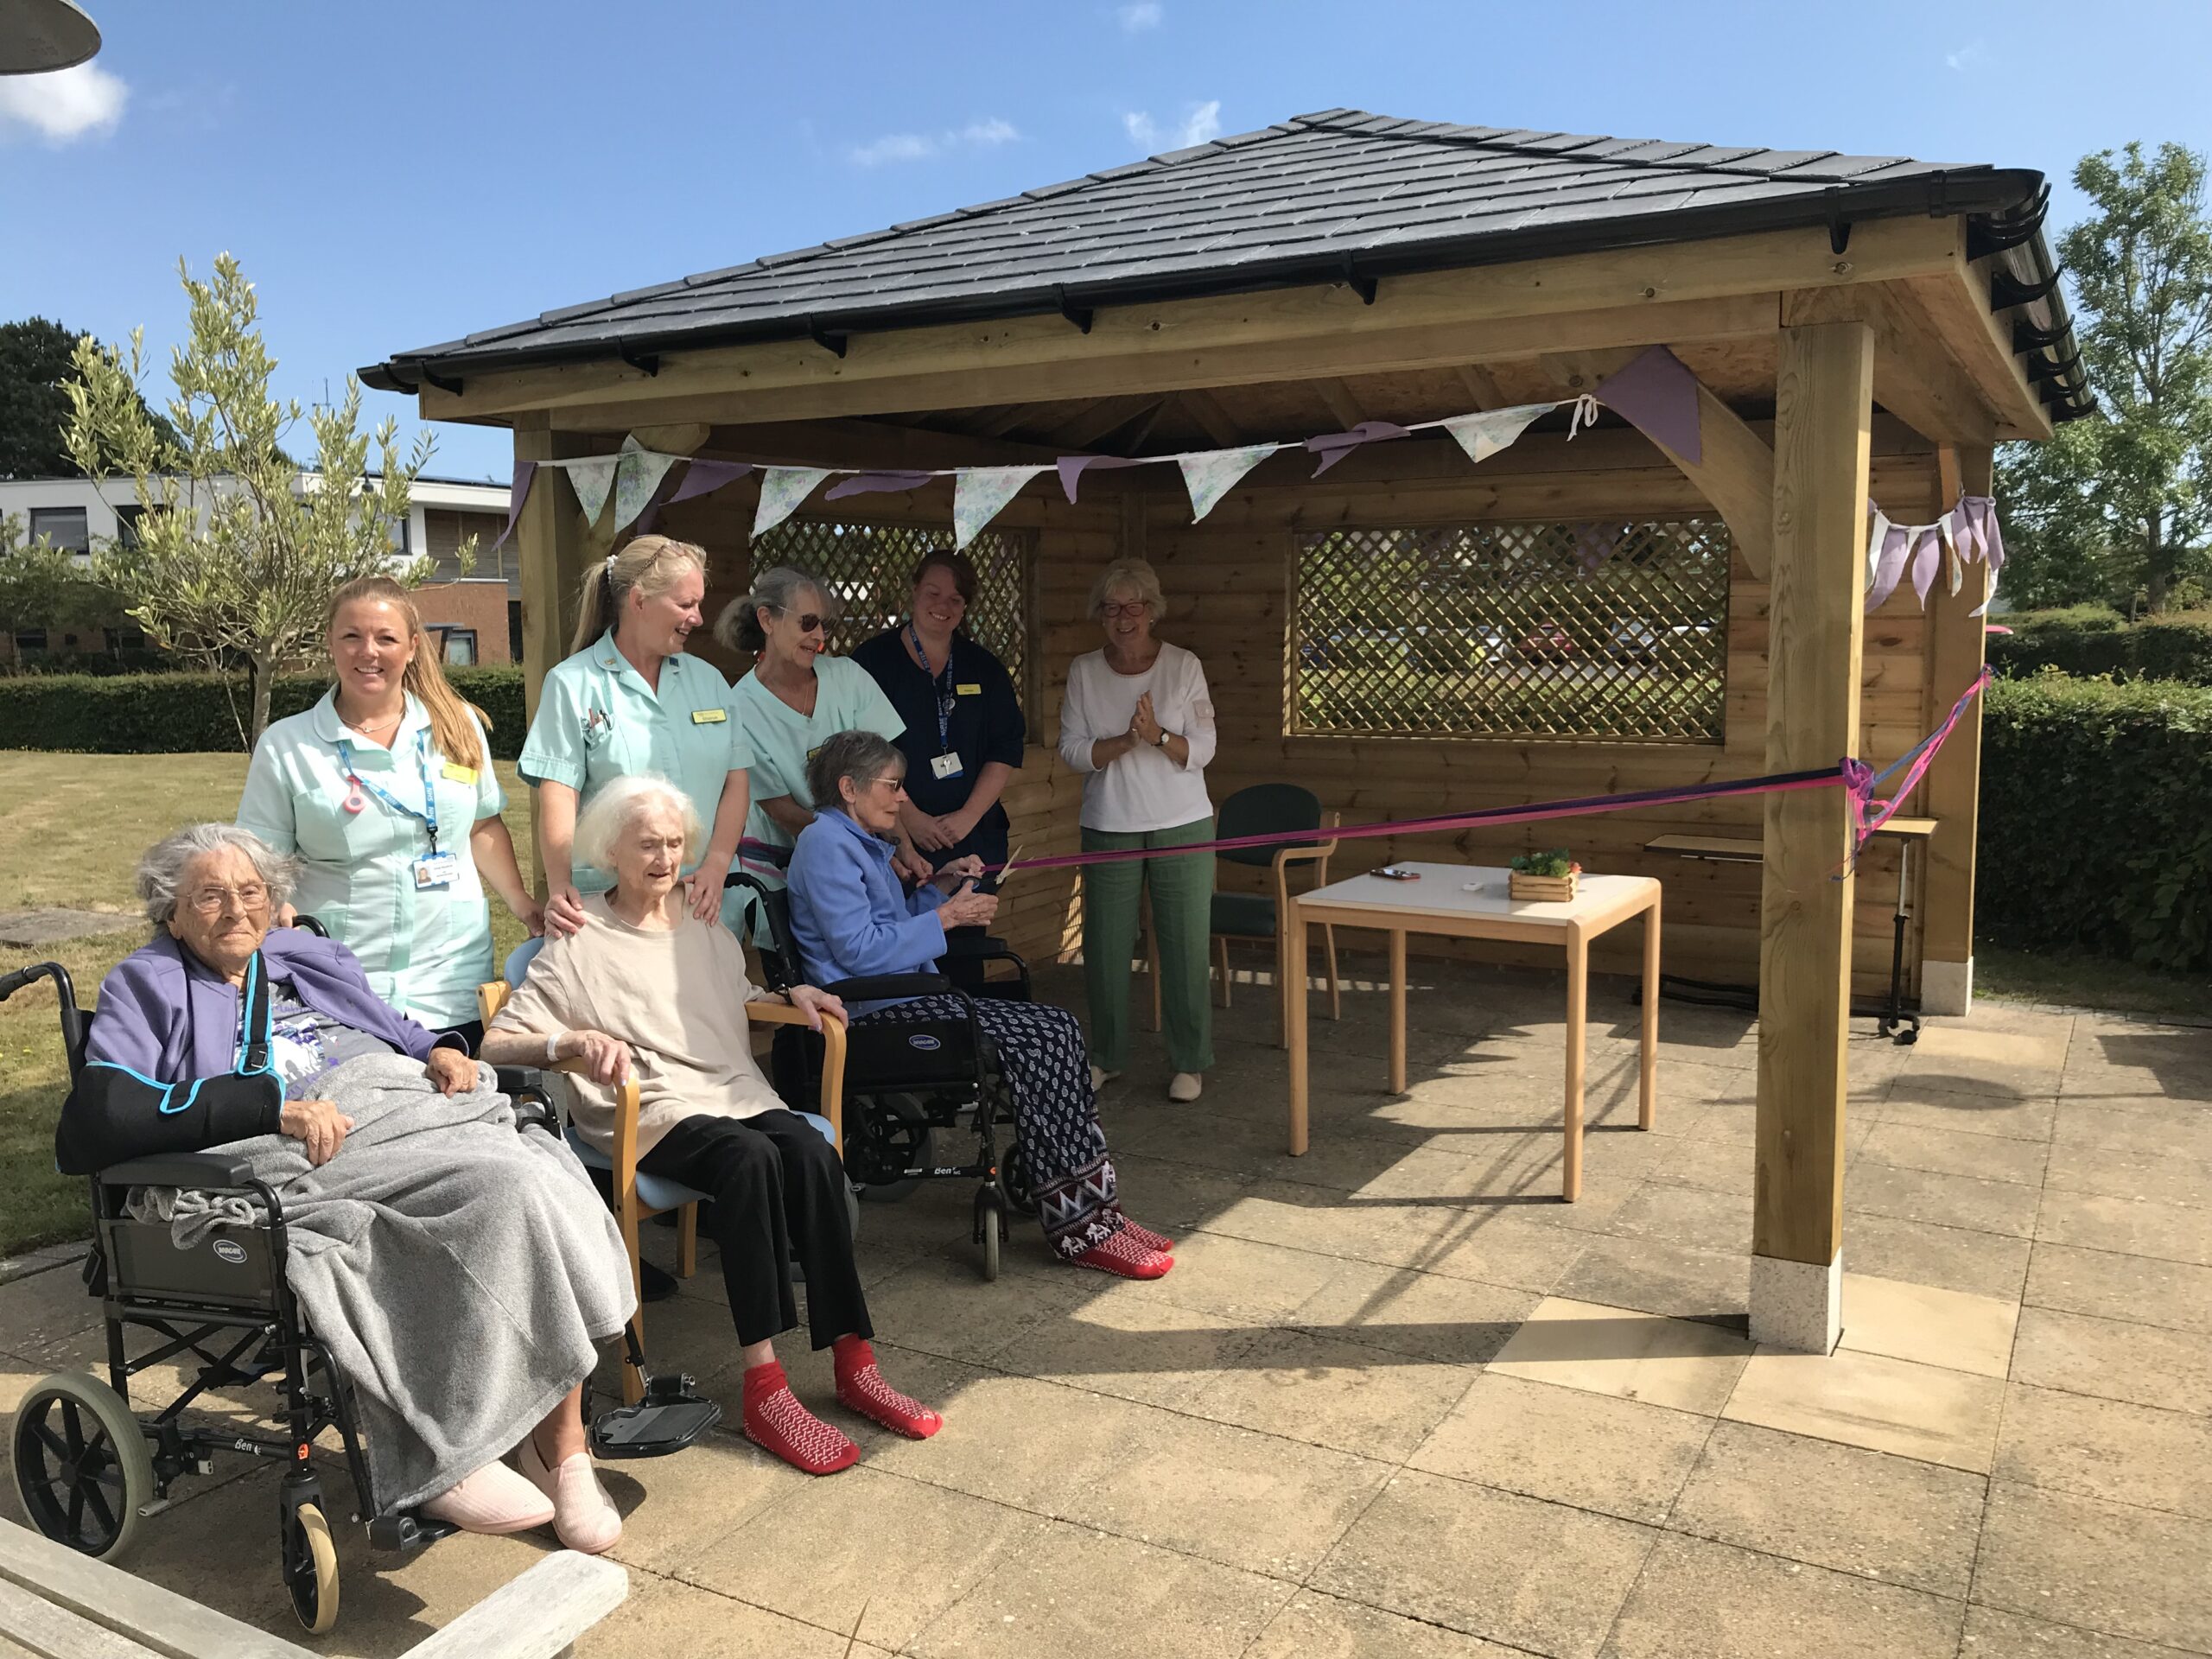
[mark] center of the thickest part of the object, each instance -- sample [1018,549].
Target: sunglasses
[811,623]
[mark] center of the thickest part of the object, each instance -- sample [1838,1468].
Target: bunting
[1921,553]
[1211,473]
[782,489]
[977,496]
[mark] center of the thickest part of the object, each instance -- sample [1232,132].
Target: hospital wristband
[553,1047]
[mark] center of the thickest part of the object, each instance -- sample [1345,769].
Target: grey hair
[160,872]
[610,812]
[848,754]
[780,588]
[1129,573]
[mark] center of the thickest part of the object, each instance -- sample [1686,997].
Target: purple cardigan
[166,1015]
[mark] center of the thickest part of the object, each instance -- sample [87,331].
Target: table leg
[1294,1032]
[1397,1011]
[1647,1108]
[1577,998]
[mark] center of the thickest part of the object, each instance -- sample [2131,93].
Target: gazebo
[1584,612]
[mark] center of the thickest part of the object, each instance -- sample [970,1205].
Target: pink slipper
[495,1499]
[584,1518]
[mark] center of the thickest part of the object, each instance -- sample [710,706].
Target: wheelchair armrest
[889,985]
[201,1169]
[969,947]
[514,1079]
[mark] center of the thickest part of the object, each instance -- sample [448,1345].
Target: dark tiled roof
[1291,203]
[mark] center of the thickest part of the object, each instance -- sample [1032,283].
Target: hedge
[179,714]
[2089,642]
[2096,819]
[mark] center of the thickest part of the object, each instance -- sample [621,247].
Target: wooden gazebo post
[1953,791]
[1822,432]
[549,546]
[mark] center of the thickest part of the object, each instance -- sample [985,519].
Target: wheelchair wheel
[311,1567]
[990,1230]
[892,1135]
[1013,1181]
[82,1468]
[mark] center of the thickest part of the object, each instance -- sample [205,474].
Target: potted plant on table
[1543,878]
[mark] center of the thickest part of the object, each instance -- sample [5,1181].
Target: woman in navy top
[964,729]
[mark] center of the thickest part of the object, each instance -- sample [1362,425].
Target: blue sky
[395,175]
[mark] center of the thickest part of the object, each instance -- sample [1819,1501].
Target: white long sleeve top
[1144,789]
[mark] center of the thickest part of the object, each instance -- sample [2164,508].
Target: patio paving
[1397,1400]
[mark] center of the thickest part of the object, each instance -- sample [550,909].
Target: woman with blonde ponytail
[384,791]
[630,699]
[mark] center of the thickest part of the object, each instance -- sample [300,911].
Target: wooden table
[1469,901]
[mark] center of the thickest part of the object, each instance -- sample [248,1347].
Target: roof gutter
[2004,210]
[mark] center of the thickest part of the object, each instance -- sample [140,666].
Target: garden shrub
[2089,640]
[181,714]
[2096,819]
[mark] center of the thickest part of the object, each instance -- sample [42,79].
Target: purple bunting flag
[703,477]
[1333,446]
[877,484]
[1657,395]
[1072,468]
[518,492]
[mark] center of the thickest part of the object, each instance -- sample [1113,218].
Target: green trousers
[1181,887]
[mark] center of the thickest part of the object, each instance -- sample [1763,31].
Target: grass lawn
[72,827]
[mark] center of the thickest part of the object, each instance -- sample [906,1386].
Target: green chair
[1265,809]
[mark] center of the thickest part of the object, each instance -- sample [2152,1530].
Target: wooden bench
[60,1604]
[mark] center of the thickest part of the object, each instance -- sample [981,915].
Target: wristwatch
[1161,740]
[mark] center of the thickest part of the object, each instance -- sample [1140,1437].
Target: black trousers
[778,1189]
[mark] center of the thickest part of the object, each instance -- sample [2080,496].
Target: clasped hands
[323,1127]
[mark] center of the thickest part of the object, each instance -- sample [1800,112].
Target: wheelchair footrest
[670,1418]
[405,1533]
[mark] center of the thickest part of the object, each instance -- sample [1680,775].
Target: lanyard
[945,694]
[429,816]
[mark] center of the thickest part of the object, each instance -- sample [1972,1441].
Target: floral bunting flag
[592,477]
[782,489]
[1211,473]
[980,492]
[638,474]
[1483,435]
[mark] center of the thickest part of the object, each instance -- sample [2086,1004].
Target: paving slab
[1992,1634]
[2141,1288]
[2104,1448]
[1677,1363]
[1870,1400]
[2114,1568]
[1922,1253]
[1953,1329]
[2114,1360]
[1324,1391]
[1958,1201]
[2173,1232]
[1956,1151]
[1425,1315]
[28,928]
[1315,1626]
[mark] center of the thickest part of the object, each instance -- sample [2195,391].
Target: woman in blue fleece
[851,918]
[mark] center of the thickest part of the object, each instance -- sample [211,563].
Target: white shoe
[1100,1077]
[1184,1085]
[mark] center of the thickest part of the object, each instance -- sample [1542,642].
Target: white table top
[1443,891]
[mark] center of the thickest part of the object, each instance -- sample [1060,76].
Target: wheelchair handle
[11,983]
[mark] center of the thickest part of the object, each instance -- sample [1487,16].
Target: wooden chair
[1264,809]
[638,1197]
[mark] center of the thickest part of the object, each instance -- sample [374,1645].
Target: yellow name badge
[709,716]
[459,775]
[967,690]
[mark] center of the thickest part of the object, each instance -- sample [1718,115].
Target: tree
[35,368]
[2123,493]
[237,553]
[42,586]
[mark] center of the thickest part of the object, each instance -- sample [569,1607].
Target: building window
[30,639]
[456,646]
[514,630]
[65,527]
[1607,631]
[870,567]
[126,525]
[396,533]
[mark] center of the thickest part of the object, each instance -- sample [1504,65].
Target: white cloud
[1966,57]
[1146,13]
[65,105]
[921,146]
[1201,122]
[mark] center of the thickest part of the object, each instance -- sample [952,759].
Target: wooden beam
[1952,792]
[1955,299]
[868,443]
[1010,419]
[1481,386]
[1212,338]
[550,551]
[1205,408]
[1342,405]
[1735,469]
[1102,418]
[1917,377]
[1822,422]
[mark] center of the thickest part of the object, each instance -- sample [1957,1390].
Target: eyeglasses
[1133,608]
[896,781]
[211,902]
[810,623]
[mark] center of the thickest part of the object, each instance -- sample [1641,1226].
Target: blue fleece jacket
[850,917]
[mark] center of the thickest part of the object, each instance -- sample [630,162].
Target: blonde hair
[1129,573]
[649,564]
[454,721]
[608,814]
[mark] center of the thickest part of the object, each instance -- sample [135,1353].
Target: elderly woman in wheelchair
[851,918]
[459,1275]
[645,989]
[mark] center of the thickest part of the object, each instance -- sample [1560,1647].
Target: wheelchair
[905,1084]
[89,1471]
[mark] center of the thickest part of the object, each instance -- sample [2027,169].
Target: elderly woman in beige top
[645,989]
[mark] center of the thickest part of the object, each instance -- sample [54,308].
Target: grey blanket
[462,1275]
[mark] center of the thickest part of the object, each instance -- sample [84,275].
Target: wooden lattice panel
[1602,631]
[868,568]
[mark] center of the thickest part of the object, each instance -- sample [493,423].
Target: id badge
[437,870]
[945,765]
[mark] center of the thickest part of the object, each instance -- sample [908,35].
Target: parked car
[1634,641]
[1547,642]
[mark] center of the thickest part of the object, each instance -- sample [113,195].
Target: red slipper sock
[1146,1238]
[1121,1254]
[860,1388]
[775,1422]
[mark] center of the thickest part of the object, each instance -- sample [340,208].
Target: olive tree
[236,551]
